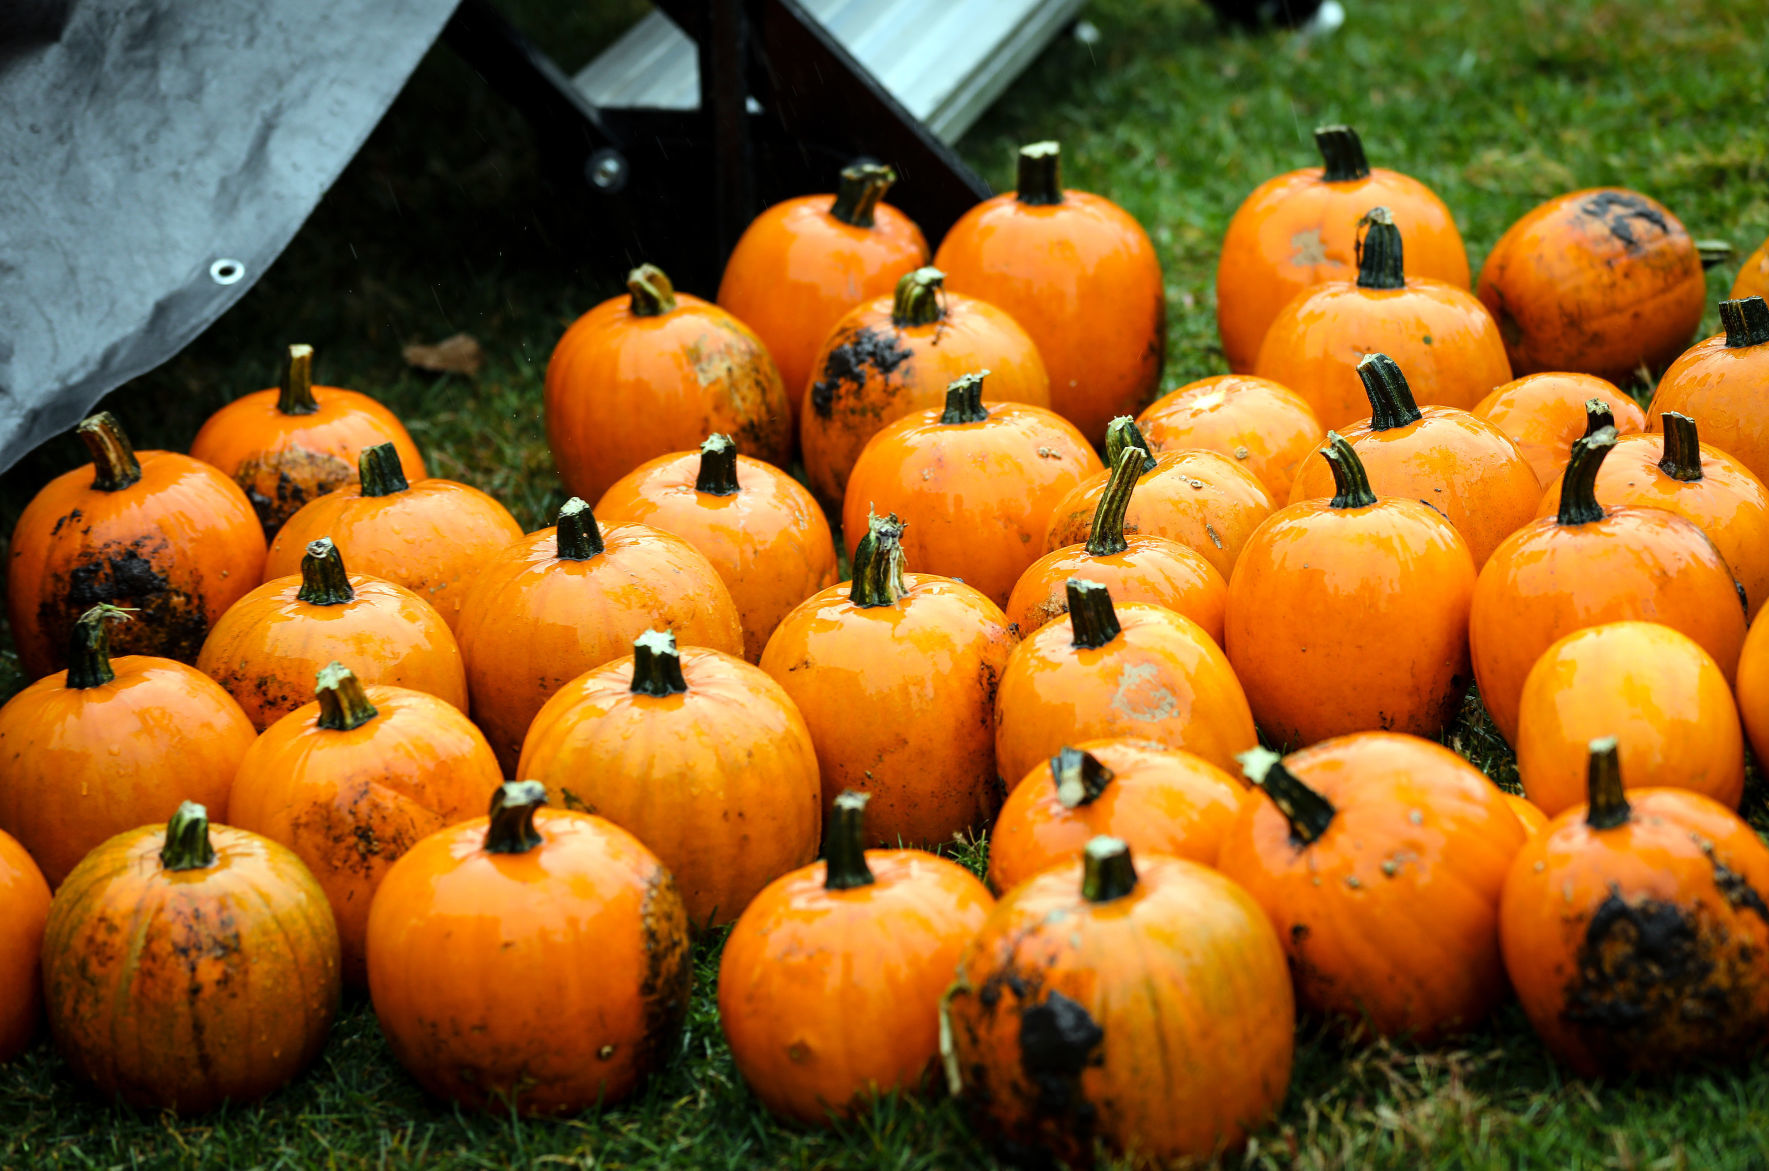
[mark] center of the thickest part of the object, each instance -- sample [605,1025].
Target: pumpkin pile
[1186,661]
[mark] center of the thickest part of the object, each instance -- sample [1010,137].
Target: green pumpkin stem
[1379,252]
[1123,432]
[1682,455]
[878,564]
[964,399]
[380,472]
[652,293]
[1107,871]
[1578,488]
[296,394]
[513,806]
[857,197]
[1106,537]
[844,851]
[187,840]
[1351,484]
[1597,416]
[89,650]
[657,667]
[1391,399]
[1308,813]
[1040,180]
[1091,617]
[114,464]
[323,579]
[1342,151]
[718,467]
[917,299]
[343,704]
[578,535]
[1746,322]
[1608,801]
[1080,777]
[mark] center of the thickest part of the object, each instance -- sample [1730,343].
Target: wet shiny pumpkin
[1268,428]
[1544,413]
[1719,383]
[24,908]
[1752,689]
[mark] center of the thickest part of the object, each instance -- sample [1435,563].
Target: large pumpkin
[1545,413]
[1270,429]
[24,908]
[1720,382]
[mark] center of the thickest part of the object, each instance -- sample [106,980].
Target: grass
[443,224]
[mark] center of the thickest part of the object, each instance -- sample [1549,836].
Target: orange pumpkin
[1752,688]
[165,535]
[758,526]
[1134,670]
[268,645]
[893,356]
[654,372]
[1072,1009]
[895,674]
[1588,565]
[1159,800]
[975,484]
[1544,413]
[25,899]
[567,599]
[294,443]
[1438,332]
[529,899]
[1269,428]
[1380,859]
[1658,693]
[228,983]
[1601,282]
[110,744]
[830,984]
[1532,818]
[1140,568]
[1720,381]
[1753,275]
[1459,464]
[802,264]
[1634,930]
[1297,231]
[1079,273]
[699,755]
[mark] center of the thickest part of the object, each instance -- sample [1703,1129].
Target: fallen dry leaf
[460,354]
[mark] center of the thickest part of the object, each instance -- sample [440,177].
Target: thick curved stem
[1080,777]
[1746,321]
[114,465]
[296,395]
[1682,456]
[1391,399]
[1608,801]
[1040,181]
[1123,432]
[89,650]
[343,704]
[578,535]
[1308,813]
[1106,537]
[878,564]
[718,467]
[652,293]
[844,850]
[964,399]
[1342,151]
[1379,252]
[1351,484]
[1107,871]
[1578,488]
[1597,416]
[187,840]
[1091,616]
[379,471]
[657,667]
[917,299]
[863,185]
[323,580]
[513,806]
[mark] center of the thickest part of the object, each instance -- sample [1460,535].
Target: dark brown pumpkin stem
[1746,321]
[89,650]
[844,851]
[1107,871]
[1343,153]
[1379,252]
[1351,484]
[964,399]
[1123,432]
[657,667]
[1682,456]
[1608,801]
[878,564]
[917,299]
[1578,488]
[187,840]
[1597,416]
[1040,181]
[114,465]
[857,198]
[343,704]
[652,293]
[1308,813]
[1091,616]
[718,467]
[578,534]
[379,471]
[1080,777]
[513,806]
[1391,399]
[296,395]
[323,580]
[1106,537]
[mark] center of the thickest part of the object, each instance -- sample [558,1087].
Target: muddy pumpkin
[24,909]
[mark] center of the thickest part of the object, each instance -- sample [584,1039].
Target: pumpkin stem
[652,293]
[1351,484]
[580,538]
[1123,432]
[1597,416]
[343,704]
[917,299]
[1040,181]
[657,667]
[964,399]
[718,467]
[1578,488]
[187,839]
[1379,252]
[844,852]
[862,186]
[1391,399]
[1682,457]
[1308,813]
[1091,616]
[113,457]
[1343,153]
[1080,777]
[878,563]
[1608,806]
[296,396]
[323,580]
[513,805]
[1746,321]
[89,651]
[1107,871]
[379,471]
[1106,537]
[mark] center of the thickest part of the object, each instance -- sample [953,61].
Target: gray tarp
[155,157]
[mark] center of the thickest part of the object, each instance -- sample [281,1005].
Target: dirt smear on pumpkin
[168,620]
[861,355]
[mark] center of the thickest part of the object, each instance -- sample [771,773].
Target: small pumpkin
[1071,1007]
[1380,858]
[430,536]
[1270,429]
[974,483]
[1634,931]
[109,745]
[1079,273]
[893,356]
[1753,275]
[830,983]
[758,526]
[1139,568]
[1437,332]
[1297,231]
[165,535]
[228,985]
[528,899]
[24,908]
[1601,281]
[696,753]
[567,599]
[1544,413]
[1654,689]
[895,674]
[296,442]
[803,263]
[1720,381]
[268,645]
